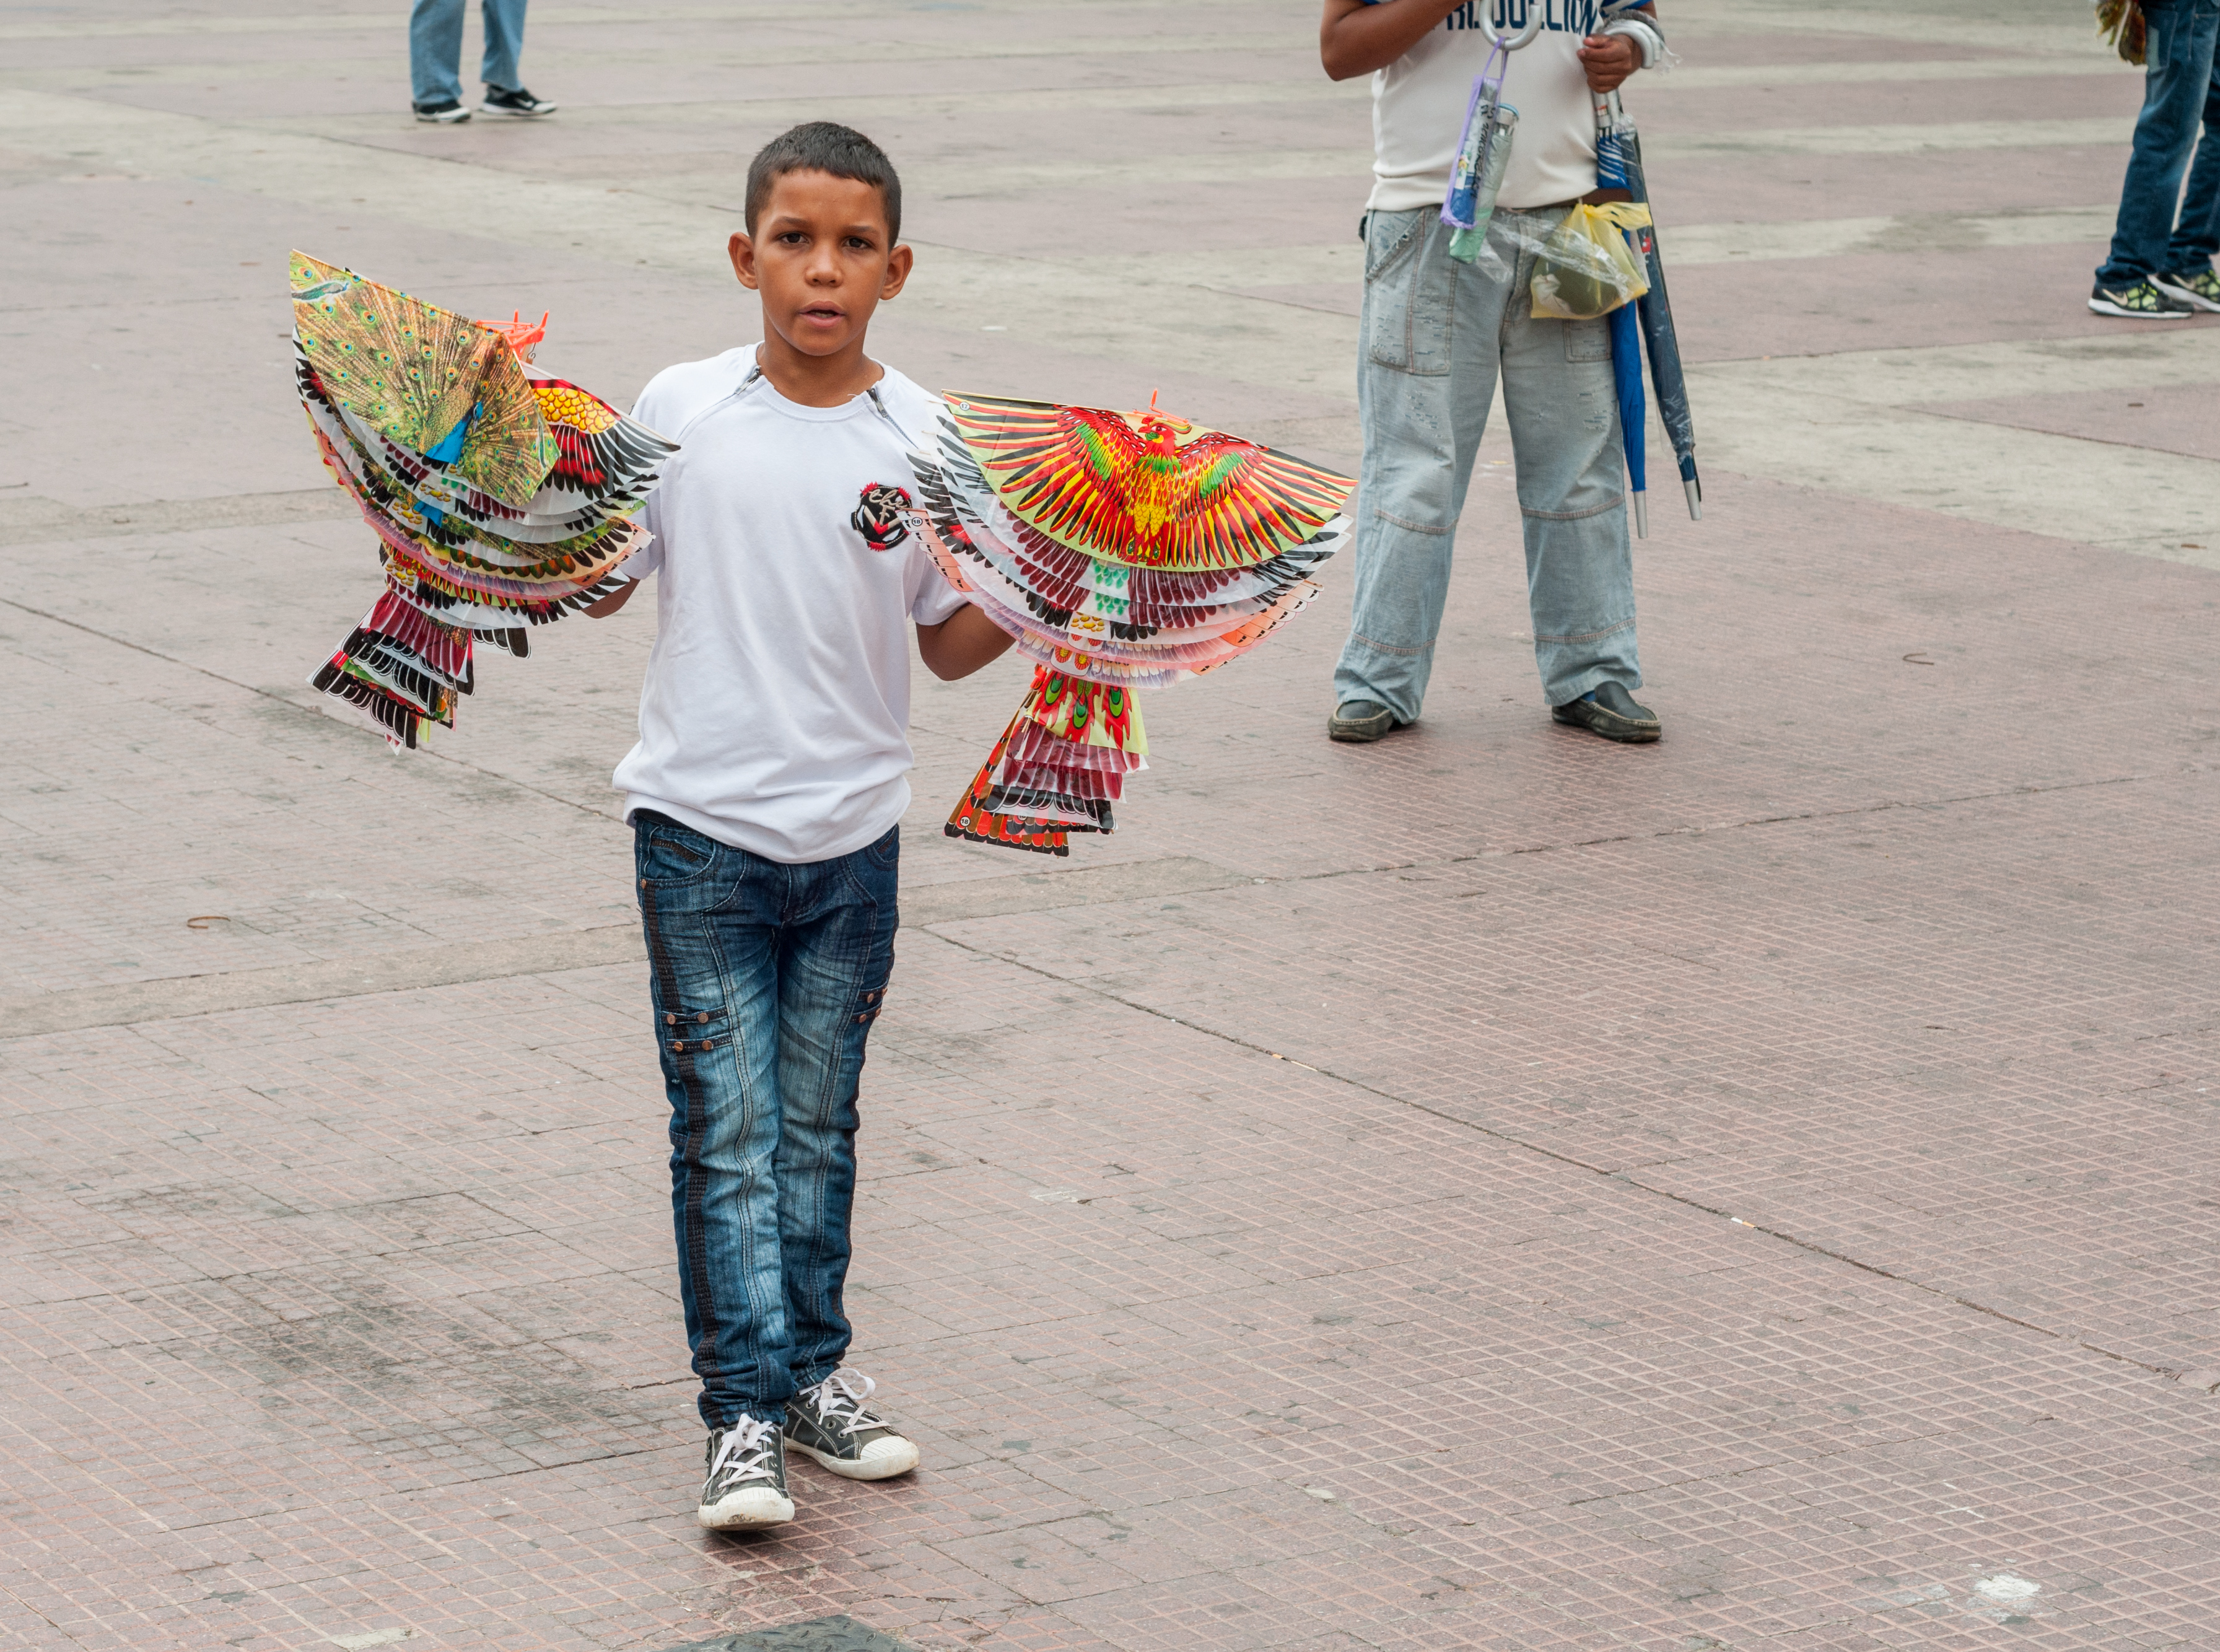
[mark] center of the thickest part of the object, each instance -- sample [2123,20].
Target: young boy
[1436,333]
[763,797]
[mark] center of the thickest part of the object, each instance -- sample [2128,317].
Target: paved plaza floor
[1489,1189]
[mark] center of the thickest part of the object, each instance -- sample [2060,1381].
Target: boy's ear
[742,251]
[898,267]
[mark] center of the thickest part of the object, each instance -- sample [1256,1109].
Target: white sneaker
[746,1485]
[829,1422]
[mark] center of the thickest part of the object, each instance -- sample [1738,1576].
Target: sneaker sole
[2186,295]
[883,1469]
[2125,314]
[515,114]
[745,1512]
[444,120]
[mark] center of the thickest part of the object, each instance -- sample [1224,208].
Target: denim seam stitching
[1387,516]
[1586,636]
[1611,503]
[1390,648]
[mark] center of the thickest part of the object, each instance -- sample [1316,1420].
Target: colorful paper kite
[1121,551]
[502,498]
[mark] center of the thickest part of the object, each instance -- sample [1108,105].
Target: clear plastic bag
[1483,149]
[1586,268]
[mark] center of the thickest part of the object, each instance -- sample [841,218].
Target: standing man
[1437,333]
[435,61]
[2160,266]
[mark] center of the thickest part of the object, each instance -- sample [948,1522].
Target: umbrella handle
[1512,44]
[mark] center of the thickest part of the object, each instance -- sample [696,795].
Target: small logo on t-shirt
[878,516]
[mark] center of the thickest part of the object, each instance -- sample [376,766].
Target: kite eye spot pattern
[501,499]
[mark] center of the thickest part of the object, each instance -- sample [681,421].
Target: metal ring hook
[1487,25]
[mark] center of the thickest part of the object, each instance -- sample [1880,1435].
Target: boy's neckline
[762,368]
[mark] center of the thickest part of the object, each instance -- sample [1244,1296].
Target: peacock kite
[1122,551]
[502,498]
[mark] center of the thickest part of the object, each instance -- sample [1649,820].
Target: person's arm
[609,604]
[961,643]
[1355,37]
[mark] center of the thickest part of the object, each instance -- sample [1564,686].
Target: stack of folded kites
[502,498]
[1121,551]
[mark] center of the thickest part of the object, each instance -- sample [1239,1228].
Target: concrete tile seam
[2172,1373]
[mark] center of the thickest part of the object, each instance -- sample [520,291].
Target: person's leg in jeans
[1563,406]
[504,44]
[765,981]
[711,916]
[2177,92]
[1424,379]
[2197,234]
[838,950]
[435,52]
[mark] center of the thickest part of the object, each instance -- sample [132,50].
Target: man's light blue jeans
[1435,335]
[766,978]
[435,49]
[2181,91]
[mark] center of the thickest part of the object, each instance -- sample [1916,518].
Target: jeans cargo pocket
[690,1029]
[1587,341]
[1410,293]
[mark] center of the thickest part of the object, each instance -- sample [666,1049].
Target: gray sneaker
[746,1485]
[829,1423]
[1359,720]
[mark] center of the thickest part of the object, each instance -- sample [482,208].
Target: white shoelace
[839,1400]
[747,1447]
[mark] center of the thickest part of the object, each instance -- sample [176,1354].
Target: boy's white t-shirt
[1418,104]
[776,713]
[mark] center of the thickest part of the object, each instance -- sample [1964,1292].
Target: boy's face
[821,258]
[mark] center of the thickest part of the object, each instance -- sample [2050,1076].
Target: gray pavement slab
[1486,1189]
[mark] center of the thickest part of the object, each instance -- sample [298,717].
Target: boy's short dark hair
[825,147]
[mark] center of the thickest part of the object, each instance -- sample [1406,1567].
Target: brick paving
[1490,1189]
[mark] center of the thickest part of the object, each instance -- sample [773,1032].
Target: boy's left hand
[1610,61]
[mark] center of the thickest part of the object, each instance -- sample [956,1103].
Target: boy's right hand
[609,604]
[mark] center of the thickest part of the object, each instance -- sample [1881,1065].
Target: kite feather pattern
[1148,490]
[501,497]
[1120,551]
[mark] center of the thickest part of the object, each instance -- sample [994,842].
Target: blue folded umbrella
[1619,165]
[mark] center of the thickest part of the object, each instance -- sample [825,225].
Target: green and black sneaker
[829,1422]
[2139,300]
[2200,288]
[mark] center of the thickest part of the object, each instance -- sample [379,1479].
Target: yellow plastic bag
[1587,269]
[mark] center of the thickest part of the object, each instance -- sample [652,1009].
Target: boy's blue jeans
[435,49]
[766,979]
[1436,334]
[2181,91]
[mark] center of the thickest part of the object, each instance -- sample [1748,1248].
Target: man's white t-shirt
[1418,104]
[776,713]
